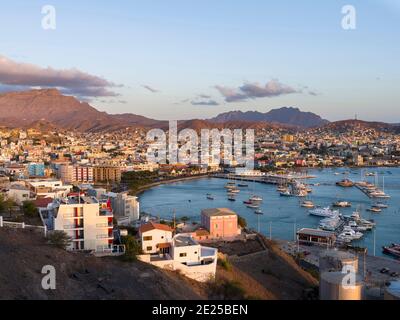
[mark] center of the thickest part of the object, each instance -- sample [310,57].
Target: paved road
[372,266]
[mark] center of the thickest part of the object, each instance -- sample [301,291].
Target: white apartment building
[89,226]
[126,206]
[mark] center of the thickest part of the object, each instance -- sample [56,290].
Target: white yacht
[330,224]
[324,212]
[256,199]
[349,235]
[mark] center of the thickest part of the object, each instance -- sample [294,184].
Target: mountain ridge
[50,106]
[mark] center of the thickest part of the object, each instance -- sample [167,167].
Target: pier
[267,179]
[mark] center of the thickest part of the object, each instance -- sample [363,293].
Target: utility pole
[270,231]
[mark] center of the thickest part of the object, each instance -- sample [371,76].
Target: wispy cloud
[273,88]
[18,75]
[206,102]
[151,89]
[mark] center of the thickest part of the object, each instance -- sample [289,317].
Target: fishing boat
[342,204]
[307,204]
[393,250]
[324,212]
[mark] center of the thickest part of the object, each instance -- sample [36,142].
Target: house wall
[157,236]
[192,254]
[221,226]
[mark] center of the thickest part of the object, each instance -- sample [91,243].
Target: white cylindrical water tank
[334,286]
[392,292]
[335,260]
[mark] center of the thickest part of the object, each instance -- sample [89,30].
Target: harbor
[280,217]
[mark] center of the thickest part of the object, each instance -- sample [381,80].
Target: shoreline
[159,183]
[209,175]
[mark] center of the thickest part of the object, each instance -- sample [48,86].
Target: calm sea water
[284,215]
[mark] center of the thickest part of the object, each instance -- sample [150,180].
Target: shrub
[242,222]
[30,209]
[59,239]
[225,264]
[132,248]
[227,290]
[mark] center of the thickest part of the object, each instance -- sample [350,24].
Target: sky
[181,59]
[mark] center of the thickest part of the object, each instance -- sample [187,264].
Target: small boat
[210,197]
[381,205]
[286,193]
[375,209]
[247,202]
[231,198]
[253,206]
[307,204]
[243,185]
[234,190]
[342,204]
[281,189]
[346,183]
[324,212]
[256,199]
[259,211]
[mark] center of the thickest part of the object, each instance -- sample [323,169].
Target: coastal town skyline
[241,58]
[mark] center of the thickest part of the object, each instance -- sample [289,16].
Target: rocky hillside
[80,277]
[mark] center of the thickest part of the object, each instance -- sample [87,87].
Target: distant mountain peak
[286,115]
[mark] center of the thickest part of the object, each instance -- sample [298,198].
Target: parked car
[385,270]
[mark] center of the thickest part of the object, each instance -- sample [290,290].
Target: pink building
[220,222]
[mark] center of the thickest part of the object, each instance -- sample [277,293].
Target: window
[183,255]
[216,226]
[149,248]
[149,238]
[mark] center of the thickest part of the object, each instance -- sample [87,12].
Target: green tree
[59,239]
[30,209]
[132,248]
[242,222]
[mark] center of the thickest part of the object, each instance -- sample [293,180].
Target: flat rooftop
[316,233]
[218,212]
[184,241]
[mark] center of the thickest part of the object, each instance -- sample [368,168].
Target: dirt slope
[24,253]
